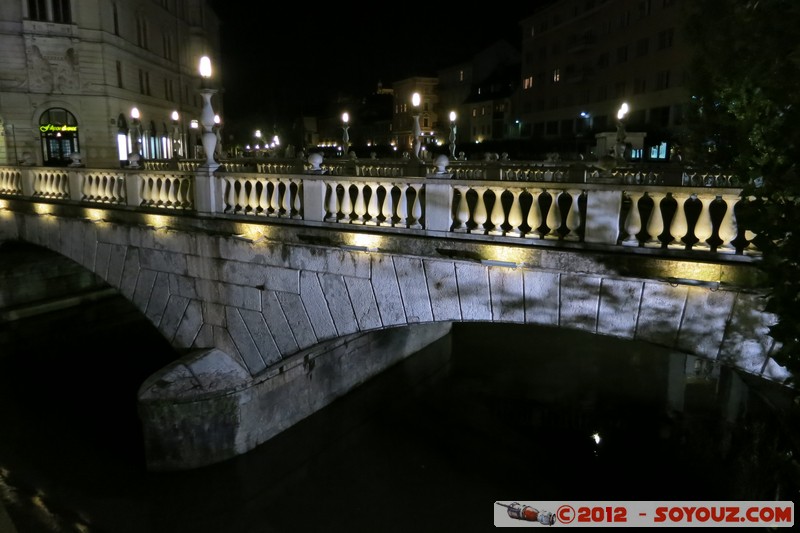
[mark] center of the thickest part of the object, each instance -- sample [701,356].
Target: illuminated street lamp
[135,156]
[207,115]
[177,150]
[619,147]
[345,134]
[452,135]
[416,132]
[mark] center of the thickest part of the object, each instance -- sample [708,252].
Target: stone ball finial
[315,160]
[441,163]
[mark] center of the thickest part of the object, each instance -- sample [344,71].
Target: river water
[490,413]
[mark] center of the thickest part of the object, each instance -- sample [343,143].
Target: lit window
[556,75]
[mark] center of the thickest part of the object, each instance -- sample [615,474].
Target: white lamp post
[135,156]
[619,147]
[345,134]
[176,136]
[453,135]
[416,131]
[207,115]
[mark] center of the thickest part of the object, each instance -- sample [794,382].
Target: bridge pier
[206,408]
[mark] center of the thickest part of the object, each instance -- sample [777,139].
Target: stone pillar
[603,210]
[314,199]
[438,207]
[207,196]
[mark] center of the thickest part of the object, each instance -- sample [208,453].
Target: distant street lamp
[135,156]
[619,147]
[207,115]
[453,135]
[416,131]
[176,136]
[345,134]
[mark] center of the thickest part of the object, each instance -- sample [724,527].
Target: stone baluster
[498,216]
[261,206]
[110,188]
[333,202]
[372,207]
[163,191]
[298,198]
[416,207]
[655,224]
[286,205]
[479,216]
[679,226]
[534,219]
[704,228]
[573,220]
[387,209]
[347,203]
[119,189]
[250,195]
[515,214]
[360,208]
[462,211]
[90,187]
[402,206]
[230,194]
[172,193]
[145,192]
[553,219]
[275,198]
[241,197]
[633,222]
[728,228]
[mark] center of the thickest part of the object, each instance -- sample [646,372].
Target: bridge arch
[254,317]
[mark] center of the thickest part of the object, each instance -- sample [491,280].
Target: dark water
[491,413]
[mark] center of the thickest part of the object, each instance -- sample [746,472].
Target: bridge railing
[638,210]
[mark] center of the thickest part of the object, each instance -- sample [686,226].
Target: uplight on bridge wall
[157,222]
[360,242]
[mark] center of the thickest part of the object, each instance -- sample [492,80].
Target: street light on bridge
[345,134]
[452,135]
[207,114]
[136,146]
[416,131]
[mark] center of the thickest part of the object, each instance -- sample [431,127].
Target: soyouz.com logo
[646,514]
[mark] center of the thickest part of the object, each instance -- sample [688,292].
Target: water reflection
[493,412]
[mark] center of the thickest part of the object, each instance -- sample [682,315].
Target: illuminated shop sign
[45,128]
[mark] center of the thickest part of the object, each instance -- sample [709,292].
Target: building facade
[82,82]
[582,59]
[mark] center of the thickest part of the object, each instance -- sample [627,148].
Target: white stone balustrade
[10,181]
[693,218]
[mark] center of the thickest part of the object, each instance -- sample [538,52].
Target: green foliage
[745,115]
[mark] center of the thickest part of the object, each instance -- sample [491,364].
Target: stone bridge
[275,316]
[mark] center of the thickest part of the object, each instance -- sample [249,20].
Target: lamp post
[176,136]
[416,132]
[619,147]
[135,156]
[207,115]
[218,134]
[345,134]
[453,135]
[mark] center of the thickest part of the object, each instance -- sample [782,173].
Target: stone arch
[255,319]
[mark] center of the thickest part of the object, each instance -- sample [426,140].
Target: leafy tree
[745,116]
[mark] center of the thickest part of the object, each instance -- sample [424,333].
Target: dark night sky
[283,59]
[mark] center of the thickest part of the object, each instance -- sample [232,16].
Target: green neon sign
[46,128]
